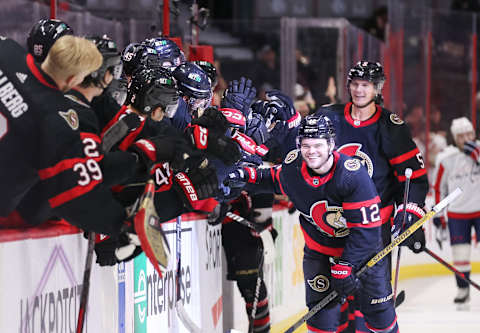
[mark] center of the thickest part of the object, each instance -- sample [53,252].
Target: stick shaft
[86,283]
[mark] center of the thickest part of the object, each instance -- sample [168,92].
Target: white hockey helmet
[460,125]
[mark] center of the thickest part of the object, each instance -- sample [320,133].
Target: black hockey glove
[217,215]
[343,278]
[472,149]
[112,250]
[415,242]
[281,106]
[239,95]
[256,129]
[198,184]
[213,119]
[214,143]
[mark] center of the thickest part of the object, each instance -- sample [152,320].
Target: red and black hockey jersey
[339,211]
[44,159]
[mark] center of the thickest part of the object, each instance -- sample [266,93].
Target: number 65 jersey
[339,211]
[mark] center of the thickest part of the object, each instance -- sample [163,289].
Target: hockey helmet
[133,57]
[153,87]
[208,68]
[42,36]
[168,53]
[194,84]
[368,71]
[461,125]
[316,126]
[111,60]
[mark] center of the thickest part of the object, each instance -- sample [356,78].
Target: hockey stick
[86,283]
[182,314]
[265,235]
[408,175]
[400,298]
[450,267]
[379,256]
[150,232]
[253,313]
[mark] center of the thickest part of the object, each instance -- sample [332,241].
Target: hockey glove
[281,106]
[213,119]
[440,230]
[111,250]
[214,143]
[256,129]
[198,184]
[343,279]
[415,242]
[472,149]
[216,216]
[239,177]
[239,95]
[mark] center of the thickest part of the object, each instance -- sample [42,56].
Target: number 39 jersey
[339,211]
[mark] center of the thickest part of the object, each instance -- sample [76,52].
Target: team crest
[71,118]
[291,156]
[396,119]
[319,283]
[354,150]
[329,219]
[352,164]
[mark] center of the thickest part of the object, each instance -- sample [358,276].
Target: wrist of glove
[240,177]
[195,185]
[416,242]
[473,150]
[343,280]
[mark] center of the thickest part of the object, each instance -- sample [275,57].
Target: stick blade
[400,298]
[149,230]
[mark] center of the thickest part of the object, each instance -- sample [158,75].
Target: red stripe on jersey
[415,174]
[360,204]
[385,214]
[277,177]
[64,165]
[113,120]
[313,329]
[313,245]
[356,123]
[463,216]
[36,72]
[263,302]
[72,194]
[438,180]
[261,322]
[86,135]
[406,156]
[131,137]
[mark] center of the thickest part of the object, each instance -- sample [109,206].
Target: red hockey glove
[473,150]
[198,184]
[415,242]
[343,280]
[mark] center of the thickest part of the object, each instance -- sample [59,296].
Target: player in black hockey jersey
[340,218]
[42,151]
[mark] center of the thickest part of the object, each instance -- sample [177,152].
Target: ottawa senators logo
[329,219]
[71,118]
[291,156]
[396,119]
[352,164]
[319,283]
[354,150]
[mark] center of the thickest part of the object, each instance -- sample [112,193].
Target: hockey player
[460,168]
[42,36]
[341,221]
[42,152]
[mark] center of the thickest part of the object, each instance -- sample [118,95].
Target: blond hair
[72,55]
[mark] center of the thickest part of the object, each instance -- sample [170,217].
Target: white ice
[429,307]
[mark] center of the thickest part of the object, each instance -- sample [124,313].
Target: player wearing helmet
[42,36]
[168,53]
[339,216]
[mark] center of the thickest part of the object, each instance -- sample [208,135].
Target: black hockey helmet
[315,126]
[42,36]
[208,68]
[192,81]
[368,71]
[133,57]
[168,53]
[111,61]
[153,87]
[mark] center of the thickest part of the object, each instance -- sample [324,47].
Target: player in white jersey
[460,168]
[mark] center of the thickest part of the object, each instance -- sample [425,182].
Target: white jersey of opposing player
[456,169]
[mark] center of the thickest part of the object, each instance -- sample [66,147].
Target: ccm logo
[234,116]
[245,142]
[187,186]
[337,272]
[201,137]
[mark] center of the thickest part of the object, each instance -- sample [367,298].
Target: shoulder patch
[291,156]
[396,119]
[352,164]
[71,117]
